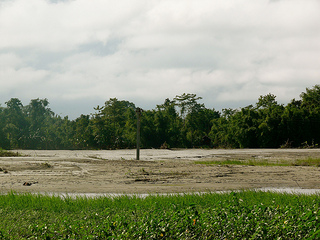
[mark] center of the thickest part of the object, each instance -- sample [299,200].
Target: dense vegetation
[235,215]
[181,122]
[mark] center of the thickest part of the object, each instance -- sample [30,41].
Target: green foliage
[235,215]
[269,124]
[38,115]
[15,125]
[178,123]
[311,98]
[187,103]
[110,122]
[4,153]
[267,101]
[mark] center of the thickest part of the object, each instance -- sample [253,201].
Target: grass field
[234,215]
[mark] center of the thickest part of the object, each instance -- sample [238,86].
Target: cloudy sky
[80,53]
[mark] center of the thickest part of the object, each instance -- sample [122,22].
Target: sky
[79,53]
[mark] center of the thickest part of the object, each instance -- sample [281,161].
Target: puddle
[291,190]
[143,195]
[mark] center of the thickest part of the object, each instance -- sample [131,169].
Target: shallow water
[292,190]
[143,195]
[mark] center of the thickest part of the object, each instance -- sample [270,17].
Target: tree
[270,131]
[310,102]
[221,133]
[4,142]
[189,109]
[39,115]
[199,124]
[149,130]
[228,112]
[311,98]
[295,123]
[168,124]
[61,133]
[186,103]
[101,129]
[109,123]
[130,128]
[82,132]
[266,101]
[15,124]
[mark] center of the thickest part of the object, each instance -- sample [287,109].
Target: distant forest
[182,122]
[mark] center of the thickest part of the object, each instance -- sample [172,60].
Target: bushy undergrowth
[5,153]
[235,215]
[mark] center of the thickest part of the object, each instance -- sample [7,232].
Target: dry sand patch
[158,171]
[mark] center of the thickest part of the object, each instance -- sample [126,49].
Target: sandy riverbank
[158,171]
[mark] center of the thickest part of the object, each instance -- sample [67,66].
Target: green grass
[235,215]
[252,162]
[307,162]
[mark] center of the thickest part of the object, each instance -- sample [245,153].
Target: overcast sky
[80,53]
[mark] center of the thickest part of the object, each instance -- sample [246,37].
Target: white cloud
[15,77]
[9,60]
[61,26]
[229,52]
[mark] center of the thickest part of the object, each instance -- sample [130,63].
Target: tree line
[181,122]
